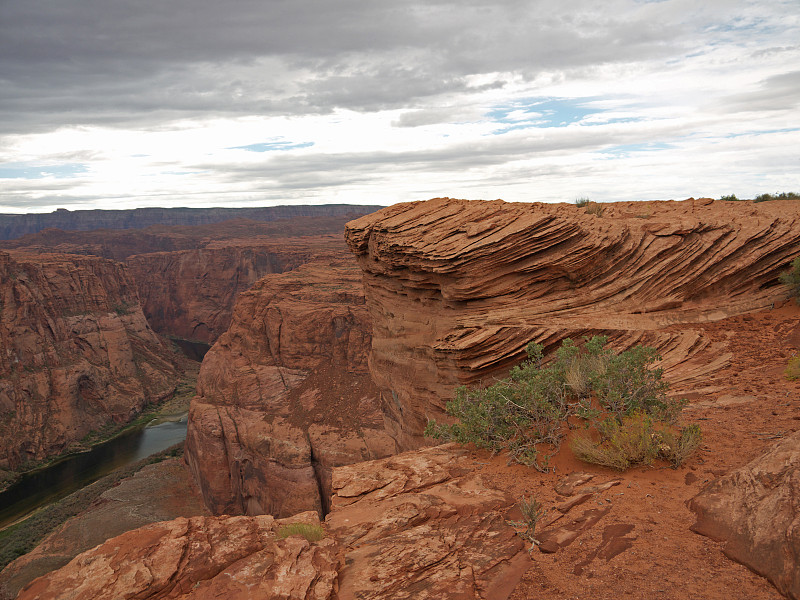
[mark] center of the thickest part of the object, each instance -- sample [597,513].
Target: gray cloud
[115,61]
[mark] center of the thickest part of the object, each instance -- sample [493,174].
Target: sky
[124,104]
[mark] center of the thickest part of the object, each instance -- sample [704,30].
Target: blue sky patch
[28,171]
[540,112]
[628,149]
[272,146]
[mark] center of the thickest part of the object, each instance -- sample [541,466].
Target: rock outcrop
[75,353]
[456,289]
[285,395]
[198,558]
[755,510]
[420,525]
[423,526]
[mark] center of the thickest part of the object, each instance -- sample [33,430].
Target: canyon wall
[456,289]
[188,277]
[76,352]
[191,293]
[285,394]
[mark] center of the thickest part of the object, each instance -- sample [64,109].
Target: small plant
[729,198]
[637,440]
[777,196]
[532,513]
[792,371]
[313,533]
[582,202]
[792,279]
[593,208]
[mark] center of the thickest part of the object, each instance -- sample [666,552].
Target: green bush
[527,413]
[313,533]
[729,198]
[792,279]
[780,196]
[582,202]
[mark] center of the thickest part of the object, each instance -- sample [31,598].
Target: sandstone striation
[456,289]
[420,525]
[755,510]
[191,293]
[75,353]
[285,395]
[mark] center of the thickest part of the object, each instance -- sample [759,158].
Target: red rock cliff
[284,395]
[75,352]
[456,289]
[191,293]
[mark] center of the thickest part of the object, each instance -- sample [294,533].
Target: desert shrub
[532,513]
[637,440]
[792,371]
[729,198]
[777,196]
[527,413]
[593,208]
[313,533]
[791,278]
[582,202]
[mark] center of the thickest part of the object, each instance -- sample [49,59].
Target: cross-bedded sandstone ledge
[456,288]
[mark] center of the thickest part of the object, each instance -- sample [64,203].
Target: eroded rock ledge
[456,289]
[420,526]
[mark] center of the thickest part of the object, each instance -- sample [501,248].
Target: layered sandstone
[421,525]
[188,277]
[75,353]
[755,510]
[191,293]
[285,395]
[456,289]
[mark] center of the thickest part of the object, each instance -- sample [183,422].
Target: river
[52,483]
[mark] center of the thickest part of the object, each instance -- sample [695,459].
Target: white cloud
[379,102]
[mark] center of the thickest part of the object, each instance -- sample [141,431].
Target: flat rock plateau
[310,409]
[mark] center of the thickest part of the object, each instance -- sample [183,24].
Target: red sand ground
[659,557]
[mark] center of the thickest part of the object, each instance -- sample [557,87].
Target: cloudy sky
[123,103]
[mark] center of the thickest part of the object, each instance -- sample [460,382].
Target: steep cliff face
[191,293]
[75,352]
[456,289]
[284,395]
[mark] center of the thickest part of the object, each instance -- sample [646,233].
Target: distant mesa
[15,225]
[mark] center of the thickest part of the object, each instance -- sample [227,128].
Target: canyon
[76,353]
[327,365]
